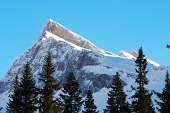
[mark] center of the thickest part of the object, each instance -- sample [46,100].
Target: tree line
[27,98]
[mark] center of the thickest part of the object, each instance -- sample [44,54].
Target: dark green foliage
[89,106]
[71,96]
[141,102]
[14,104]
[117,97]
[164,96]
[24,96]
[48,104]
[28,91]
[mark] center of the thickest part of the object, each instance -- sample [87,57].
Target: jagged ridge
[57,29]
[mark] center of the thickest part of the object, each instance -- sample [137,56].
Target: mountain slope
[93,67]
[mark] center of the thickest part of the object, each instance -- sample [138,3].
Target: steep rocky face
[57,29]
[134,53]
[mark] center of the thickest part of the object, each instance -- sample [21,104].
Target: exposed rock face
[62,32]
[134,53]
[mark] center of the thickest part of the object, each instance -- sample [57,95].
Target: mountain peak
[66,34]
[94,68]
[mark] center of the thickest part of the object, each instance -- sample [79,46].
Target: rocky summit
[92,66]
[58,30]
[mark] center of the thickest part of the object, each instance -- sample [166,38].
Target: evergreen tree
[141,102]
[14,104]
[89,106]
[71,95]
[28,91]
[164,96]
[48,104]
[117,97]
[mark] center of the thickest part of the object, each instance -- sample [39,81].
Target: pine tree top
[116,97]
[89,106]
[164,97]
[141,69]
[142,101]
[71,95]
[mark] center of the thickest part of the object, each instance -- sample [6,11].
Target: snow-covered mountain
[93,67]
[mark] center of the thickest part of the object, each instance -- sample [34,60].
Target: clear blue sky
[112,25]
